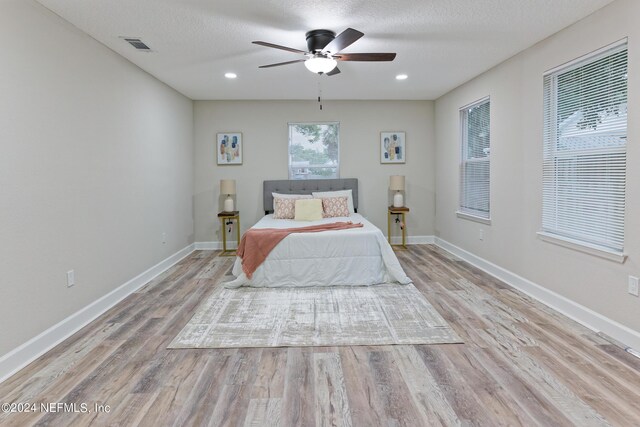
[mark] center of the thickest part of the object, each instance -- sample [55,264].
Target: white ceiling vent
[137,43]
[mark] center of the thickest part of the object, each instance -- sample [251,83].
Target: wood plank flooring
[521,364]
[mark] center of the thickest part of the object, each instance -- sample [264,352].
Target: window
[475,161]
[584,156]
[314,150]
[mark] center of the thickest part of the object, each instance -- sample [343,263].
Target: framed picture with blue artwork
[229,148]
[392,147]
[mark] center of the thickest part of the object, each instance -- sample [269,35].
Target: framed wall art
[229,148]
[392,147]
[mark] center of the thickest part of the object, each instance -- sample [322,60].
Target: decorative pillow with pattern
[337,193]
[284,208]
[335,207]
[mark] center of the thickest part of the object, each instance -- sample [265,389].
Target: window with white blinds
[475,159]
[584,158]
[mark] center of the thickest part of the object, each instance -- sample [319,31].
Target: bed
[353,257]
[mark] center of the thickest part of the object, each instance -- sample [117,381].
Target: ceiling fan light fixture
[230,75]
[320,64]
[325,49]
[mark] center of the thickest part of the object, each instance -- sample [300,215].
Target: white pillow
[292,196]
[308,210]
[340,193]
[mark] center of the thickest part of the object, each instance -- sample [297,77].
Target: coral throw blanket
[257,243]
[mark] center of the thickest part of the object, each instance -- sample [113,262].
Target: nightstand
[225,219]
[398,212]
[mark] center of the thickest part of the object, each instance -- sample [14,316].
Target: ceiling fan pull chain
[319,93]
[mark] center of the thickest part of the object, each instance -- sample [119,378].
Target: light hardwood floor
[521,364]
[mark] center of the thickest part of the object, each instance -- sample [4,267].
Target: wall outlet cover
[633,285]
[71,278]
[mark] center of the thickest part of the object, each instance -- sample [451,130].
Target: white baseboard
[569,308]
[21,356]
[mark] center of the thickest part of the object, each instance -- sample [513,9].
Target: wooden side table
[224,218]
[398,212]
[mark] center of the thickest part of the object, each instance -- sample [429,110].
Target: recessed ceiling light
[230,75]
[402,77]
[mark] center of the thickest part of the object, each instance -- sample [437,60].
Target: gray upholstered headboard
[307,186]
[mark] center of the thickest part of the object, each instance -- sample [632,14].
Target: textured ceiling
[440,43]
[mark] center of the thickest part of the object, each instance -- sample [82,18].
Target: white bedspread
[354,257]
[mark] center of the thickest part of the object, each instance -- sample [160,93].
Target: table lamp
[396,183]
[228,187]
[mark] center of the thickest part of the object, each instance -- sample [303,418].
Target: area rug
[302,317]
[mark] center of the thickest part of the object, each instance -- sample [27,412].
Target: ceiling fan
[324,51]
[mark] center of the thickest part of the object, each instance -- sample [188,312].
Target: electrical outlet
[164,238]
[71,278]
[633,285]
[481,234]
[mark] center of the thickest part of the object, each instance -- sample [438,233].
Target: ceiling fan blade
[277,46]
[343,40]
[365,57]
[282,63]
[334,72]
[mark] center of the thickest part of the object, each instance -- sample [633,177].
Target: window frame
[550,155]
[289,168]
[462,211]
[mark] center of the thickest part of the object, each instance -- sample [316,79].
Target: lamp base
[398,200]
[228,204]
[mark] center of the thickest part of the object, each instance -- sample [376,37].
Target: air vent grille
[138,44]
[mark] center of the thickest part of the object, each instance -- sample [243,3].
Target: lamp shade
[227,186]
[396,183]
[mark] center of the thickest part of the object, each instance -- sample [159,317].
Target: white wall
[264,125]
[510,241]
[96,162]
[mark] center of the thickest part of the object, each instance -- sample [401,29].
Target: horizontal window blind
[584,155]
[475,161]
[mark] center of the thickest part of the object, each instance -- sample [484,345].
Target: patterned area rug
[303,317]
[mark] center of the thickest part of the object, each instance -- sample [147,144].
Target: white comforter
[354,257]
